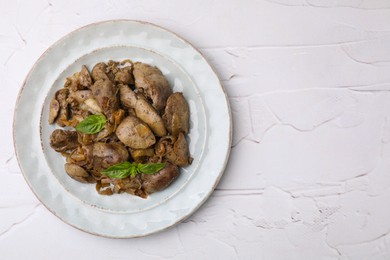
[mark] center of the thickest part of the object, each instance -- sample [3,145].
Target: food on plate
[151,82]
[176,114]
[135,134]
[143,110]
[125,129]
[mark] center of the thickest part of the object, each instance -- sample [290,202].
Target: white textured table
[309,172]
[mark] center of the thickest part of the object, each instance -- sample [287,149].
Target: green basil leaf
[119,171]
[92,124]
[133,171]
[150,168]
[125,169]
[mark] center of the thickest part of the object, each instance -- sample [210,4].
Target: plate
[123,215]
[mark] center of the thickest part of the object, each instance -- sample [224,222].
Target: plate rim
[229,113]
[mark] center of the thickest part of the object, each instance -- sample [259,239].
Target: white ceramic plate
[123,215]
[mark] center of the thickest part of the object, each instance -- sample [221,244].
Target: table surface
[309,170]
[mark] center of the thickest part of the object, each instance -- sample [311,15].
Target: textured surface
[309,172]
[78,203]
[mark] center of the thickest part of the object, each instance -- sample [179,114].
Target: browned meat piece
[119,73]
[82,101]
[176,115]
[174,150]
[78,110]
[63,140]
[79,80]
[160,180]
[63,116]
[152,83]
[125,76]
[101,71]
[118,117]
[91,105]
[105,94]
[54,110]
[59,111]
[85,139]
[85,77]
[179,155]
[135,134]
[78,173]
[80,96]
[106,155]
[82,156]
[107,131]
[142,155]
[127,96]
[143,110]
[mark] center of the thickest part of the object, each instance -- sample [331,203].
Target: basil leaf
[150,168]
[92,124]
[133,171]
[119,171]
[125,169]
